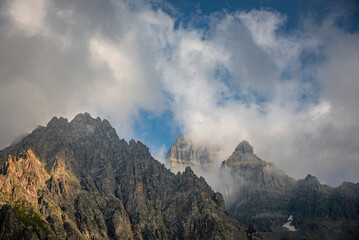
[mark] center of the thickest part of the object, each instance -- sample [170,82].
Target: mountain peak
[243,154]
[188,172]
[244,147]
[184,153]
[57,122]
[81,171]
[82,120]
[311,179]
[85,118]
[180,139]
[181,142]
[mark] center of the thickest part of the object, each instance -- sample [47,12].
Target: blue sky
[281,74]
[153,129]
[294,10]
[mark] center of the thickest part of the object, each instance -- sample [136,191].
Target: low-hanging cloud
[291,94]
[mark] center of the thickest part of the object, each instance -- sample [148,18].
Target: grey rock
[83,182]
[11,226]
[267,196]
[185,153]
[264,192]
[263,195]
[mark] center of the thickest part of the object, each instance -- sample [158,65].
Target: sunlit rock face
[78,180]
[185,153]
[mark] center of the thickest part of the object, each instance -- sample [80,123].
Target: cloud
[28,17]
[159,153]
[68,65]
[269,95]
[292,94]
[133,84]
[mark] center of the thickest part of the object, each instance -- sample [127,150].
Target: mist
[242,76]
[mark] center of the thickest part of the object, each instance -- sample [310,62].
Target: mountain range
[281,207]
[79,180]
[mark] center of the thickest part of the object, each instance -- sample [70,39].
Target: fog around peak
[228,76]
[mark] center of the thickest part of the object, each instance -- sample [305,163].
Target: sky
[283,75]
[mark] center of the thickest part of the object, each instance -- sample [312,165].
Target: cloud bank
[291,94]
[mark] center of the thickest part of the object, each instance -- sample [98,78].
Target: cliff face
[78,180]
[281,207]
[185,153]
[277,203]
[265,192]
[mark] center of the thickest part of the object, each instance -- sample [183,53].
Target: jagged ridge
[260,193]
[85,183]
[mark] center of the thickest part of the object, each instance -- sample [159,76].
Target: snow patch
[288,225]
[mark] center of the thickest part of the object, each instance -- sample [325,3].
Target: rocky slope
[185,153]
[277,203]
[78,180]
[264,192]
[284,208]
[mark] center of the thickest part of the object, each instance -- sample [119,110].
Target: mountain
[264,191]
[275,202]
[185,153]
[78,180]
[264,197]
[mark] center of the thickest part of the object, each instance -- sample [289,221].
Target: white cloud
[262,25]
[265,29]
[131,87]
[28,15]
[243,78]
[284,129]
[159,153]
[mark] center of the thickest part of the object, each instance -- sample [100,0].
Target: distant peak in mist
[244,147]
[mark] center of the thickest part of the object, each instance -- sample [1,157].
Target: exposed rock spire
[244,147]
[185,153]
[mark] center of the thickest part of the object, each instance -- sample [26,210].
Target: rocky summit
[285,208]
[260,191]
[265,199]
[78,180]
[185,153]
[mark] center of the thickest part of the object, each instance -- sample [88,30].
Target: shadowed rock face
[263,195]
[78,180]
[243,155]
[12,227]
[267,197]
[244,148]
